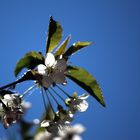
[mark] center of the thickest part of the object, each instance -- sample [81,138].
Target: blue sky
[114,58]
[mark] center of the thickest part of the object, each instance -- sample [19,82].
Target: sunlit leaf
[62,47]
[29,61]
[86,81]
[76,47]
[54,35]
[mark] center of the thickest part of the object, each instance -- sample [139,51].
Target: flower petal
[84,96]
[41,69]
[78,128]
[43,135]
[45,123]
[60,65]
[8,97]
[76,137]
[59,78]
[47,81]
[83,105]
[49,60]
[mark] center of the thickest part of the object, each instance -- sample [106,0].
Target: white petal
[45,123]
[60,65]
[78,128]
[82,106]
[76,137]
[49,60]
[71,115]
[42,135]
[41,69]
[8,97]
[83,96]
[67,122]
[47,81]
[59,78]
[57,138]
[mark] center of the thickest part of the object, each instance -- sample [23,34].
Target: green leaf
[62,47]
[75,47]
[86,81]
[54,35]
[30,61]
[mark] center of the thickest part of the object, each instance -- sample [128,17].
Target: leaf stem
[43,99]
[12,84]
[63,91]
[49,102]
[57,94]
[53,97]
[26,76]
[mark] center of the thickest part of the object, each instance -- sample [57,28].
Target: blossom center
[49,71]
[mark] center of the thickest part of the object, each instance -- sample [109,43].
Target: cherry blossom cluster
[49,74]
[63,118]
[67,133]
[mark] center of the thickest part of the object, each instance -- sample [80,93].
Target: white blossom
[78,104]
[54,126]
[76,129]
[53,71]
[76,137]
[51,126]
[66,133]
[43,136]
[10,109]
[11,100]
